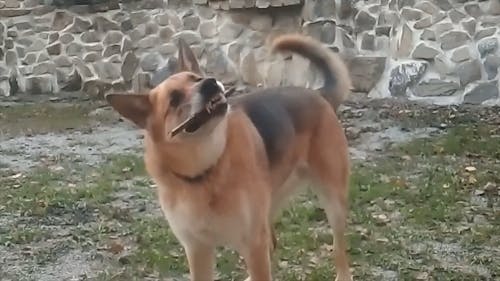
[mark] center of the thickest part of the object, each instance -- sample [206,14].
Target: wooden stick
[198,116]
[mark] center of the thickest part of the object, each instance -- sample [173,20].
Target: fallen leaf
[16,176]
[470,169]
[116,247]
[422,276]
[478,192]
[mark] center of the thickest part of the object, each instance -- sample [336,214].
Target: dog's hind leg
[329,163]
[257,256]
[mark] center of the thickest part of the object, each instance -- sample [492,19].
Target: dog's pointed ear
[186,59]
[134,107]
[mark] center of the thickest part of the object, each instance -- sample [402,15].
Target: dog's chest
[194,219]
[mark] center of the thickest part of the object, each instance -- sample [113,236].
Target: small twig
[198,116]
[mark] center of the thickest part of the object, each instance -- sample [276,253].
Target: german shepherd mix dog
[223,180]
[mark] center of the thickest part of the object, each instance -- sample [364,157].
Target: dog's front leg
[201,258]
[257,256]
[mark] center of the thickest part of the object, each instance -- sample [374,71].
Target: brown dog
[222,181]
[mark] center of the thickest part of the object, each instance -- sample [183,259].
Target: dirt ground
[76,203]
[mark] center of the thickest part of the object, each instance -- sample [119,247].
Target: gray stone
[66,38]
[452,39]
[9,43]
[261,22]
[11,58]
[443,4]
[151,28]
[488,21]
[208,29]
[219,65]
[439,17]
[189,36]
[443,27]
[347,40]
[427,7]
[12,34]
[322,30]
[423,51]
[115,59]
[174,20]
[364,21]
[191,22]
[24,42]
[315,9]
[487,46]
[346,9]
[13,12]
[275,73]
[411,14]
[127,45]
[428,34]
[150,62]
[150,41]
[36,46]
[54,49]
[96,88]
[456,16]
[368,42]
[164,72]
[365,72]
[62,61]
[43,57]
[468,72]
[111,50]
[106,70]
[473,10]
[162,19]
[384,30]
[229,31]
[167,49]
[405,44]
[388,18]
[53,37]
[44,68]
[461,54]
[92,57]
[74,49]
[94,47]
[79,25]
[61,20]
[12,4]
[29,59]
[138,33]
[139,17]
[435,87]
[489,31]
[5,89]
[91,37]
[129,66]
[141,82]
[406,76]
[482,92]
[113,37]
[39,85]
[205,12]
[234,51]
[494,7]
[102,24]
[423,23]
[470,26]
[166,33]
[491,66]
[73,82]
[83,69]
[249,71]
[405,3]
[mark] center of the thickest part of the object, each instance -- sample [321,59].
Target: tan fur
[241,195]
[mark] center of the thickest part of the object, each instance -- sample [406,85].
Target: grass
[46,117]
[413,215]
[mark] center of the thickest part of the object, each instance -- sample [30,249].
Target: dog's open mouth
[215,107]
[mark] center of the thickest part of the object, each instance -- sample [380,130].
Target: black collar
[195,179]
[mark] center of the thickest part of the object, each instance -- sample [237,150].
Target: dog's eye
[176,98]
[196,78]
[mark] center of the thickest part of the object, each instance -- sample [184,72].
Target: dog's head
[176,99]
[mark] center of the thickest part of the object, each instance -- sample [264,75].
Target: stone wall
[442,50]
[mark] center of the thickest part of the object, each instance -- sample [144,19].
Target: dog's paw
[344,278]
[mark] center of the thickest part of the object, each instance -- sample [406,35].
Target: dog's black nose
[209,88]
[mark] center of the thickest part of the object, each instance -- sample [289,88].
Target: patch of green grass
[46,117]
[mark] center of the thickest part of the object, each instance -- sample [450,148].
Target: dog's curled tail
[337,82]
